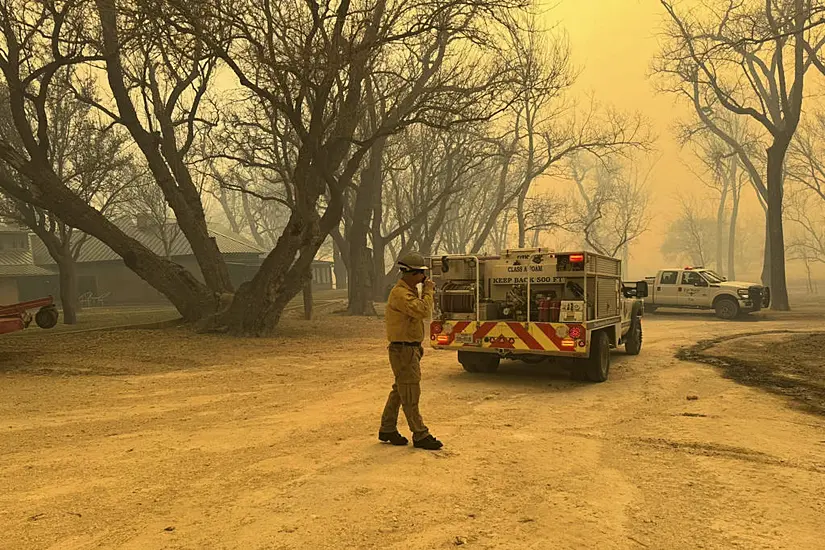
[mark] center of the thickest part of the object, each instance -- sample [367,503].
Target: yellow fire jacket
[406,313]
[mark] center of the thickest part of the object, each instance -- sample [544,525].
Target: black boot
[429,443]
[393,438]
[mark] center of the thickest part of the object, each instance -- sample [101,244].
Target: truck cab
[700,288]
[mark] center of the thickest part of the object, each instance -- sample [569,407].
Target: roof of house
[18,262]
[5,228]
[16,256]
[24,271]
[94,250]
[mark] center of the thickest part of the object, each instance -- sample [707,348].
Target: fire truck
[532,304]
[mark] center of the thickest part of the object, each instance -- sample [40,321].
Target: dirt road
[165,439]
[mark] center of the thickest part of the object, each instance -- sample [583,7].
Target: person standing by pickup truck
[405,316]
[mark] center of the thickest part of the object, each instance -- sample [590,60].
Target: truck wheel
[467,361]
[650,308]
[633,341]
[598,364]
[46,317]
[478,362]
[726,308]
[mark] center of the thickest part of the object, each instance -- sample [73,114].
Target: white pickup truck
[699,288]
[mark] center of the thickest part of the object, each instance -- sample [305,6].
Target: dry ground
[147,439]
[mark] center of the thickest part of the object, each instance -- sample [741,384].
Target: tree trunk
[339,266]
[379,276]
[766,257]
[308,300]
[522,222]
[258,304]
[257,307]
[360,287]
[69,298]
[734,215]
[228,211]
[810,281]
[720,227]
[779,289]
[625,261]
[379,246]
[360,261]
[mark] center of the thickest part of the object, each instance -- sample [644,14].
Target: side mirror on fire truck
[641,289]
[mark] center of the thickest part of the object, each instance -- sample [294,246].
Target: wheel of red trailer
[598,364]
[46,317]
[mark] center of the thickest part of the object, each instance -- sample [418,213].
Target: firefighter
[406,313]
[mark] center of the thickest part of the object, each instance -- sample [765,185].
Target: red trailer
[16,317]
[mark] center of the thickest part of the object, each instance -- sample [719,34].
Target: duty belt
[410,344]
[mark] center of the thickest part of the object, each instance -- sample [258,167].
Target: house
[19,276]
[322,275]
[27,270]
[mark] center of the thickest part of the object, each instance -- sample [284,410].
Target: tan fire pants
[405,362]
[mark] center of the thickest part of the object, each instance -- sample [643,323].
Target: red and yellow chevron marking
[510,335]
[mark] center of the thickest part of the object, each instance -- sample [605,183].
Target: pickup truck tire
[598,364]
[650,308]
[479,362]
[726,308]
[633,340]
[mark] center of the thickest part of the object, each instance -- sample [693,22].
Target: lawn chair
[101,300]
[85,299]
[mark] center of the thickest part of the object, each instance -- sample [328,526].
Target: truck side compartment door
[667,289]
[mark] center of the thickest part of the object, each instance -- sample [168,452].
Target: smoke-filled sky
[614,42]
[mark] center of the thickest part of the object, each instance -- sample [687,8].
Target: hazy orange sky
[613,42]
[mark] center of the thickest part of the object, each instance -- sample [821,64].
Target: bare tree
[311,63]
[690,237]
[169,73]
[90,161]
[611,207]
[431,177]
[42,46]
[547,129]
[806,213]
[806,158]
[715,53]
[723,177]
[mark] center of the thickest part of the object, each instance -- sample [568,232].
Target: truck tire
[650,308]
[633,340]
[598,364]
[726,308]
[478,362]
[46,317]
